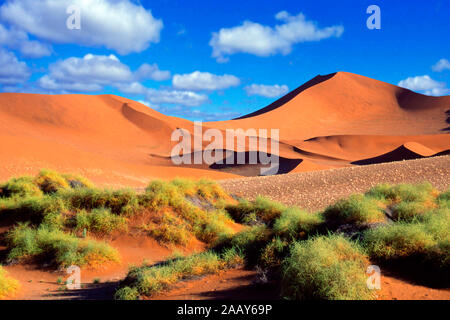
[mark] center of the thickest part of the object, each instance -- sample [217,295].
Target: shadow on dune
[399,154]
[447,120]
[291,95]
[253,169]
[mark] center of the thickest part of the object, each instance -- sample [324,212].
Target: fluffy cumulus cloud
[120,25]
[18,40]
[178,97]
[147,71]
[261,40]
[12,71]
[441,65]
[269,91]
[198,81]
[425,84]
[93,72]
[193,114]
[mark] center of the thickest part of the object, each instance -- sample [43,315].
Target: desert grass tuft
[8,286]
[325,267]
[357,209]
[57,248]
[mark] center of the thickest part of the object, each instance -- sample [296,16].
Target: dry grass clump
[8,286]
[149,280]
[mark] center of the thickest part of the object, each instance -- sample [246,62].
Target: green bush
[297,224]
[403,192]
[20,187]
[56,247]
[325,268]
[124,201]
[149,280]
[357,209]
[37,210]
[420,249]
[261,210]
[100,221]
[51,181]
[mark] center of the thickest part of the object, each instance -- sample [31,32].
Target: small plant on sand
[329,267]
[8,285]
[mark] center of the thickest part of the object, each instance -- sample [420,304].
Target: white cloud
[12,71]
[18,40]
[204,81]
[93,72]
[441,65]
[147,71]
[261,40]
[185,98]
[120,25]
[270,91]
[426,85]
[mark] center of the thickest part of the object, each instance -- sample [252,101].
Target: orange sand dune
[330,121]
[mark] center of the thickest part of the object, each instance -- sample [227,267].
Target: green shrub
[420,249]
[100,221]
[8,285]
[20,187]
[274,253]
[51,181]
[56,247]
[124,201]
[403,192]
[262,209]
[357,209]
[297,224]
[34,209]
[409,211]
[149,280]
[126,293]
[397,241]
[325,268]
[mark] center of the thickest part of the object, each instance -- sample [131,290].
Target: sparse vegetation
[149,280]
[57,248]
[54,218]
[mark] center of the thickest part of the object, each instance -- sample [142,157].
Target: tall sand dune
[331,121]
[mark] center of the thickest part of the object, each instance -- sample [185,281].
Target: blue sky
[210,59]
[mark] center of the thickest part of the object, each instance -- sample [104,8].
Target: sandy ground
[317,189]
